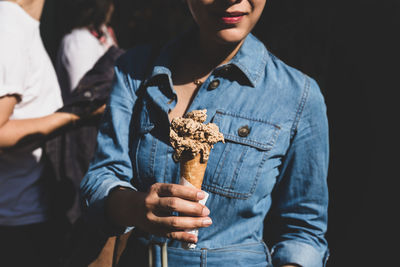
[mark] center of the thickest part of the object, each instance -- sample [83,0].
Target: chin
[230,36]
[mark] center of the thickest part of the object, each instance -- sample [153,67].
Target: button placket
[214,84]
[198,101]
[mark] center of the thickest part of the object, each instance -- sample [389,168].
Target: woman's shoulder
[283,70]
[289,78]
[298,90]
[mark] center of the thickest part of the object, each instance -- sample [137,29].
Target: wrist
[73,118]
[68,118]
[123,206]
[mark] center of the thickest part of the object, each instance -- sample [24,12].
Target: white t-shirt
[25,70]
[79,51]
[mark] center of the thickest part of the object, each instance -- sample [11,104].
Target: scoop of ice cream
[189,135]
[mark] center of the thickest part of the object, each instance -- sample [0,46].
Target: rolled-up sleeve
[111,165]
[13,68]
[300,201]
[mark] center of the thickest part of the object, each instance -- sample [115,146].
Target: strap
[164,253]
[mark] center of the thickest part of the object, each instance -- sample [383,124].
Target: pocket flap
[144,124]
[247,131]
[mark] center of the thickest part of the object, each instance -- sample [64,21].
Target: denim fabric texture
[284,151]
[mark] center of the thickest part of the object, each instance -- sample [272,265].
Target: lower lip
[231,20]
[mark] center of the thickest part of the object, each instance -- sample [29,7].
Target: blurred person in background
[31,228]
[84,66]
[29,96]
[88,36]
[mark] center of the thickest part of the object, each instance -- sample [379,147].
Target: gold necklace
[198,83]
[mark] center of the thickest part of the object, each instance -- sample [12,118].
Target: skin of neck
[204,55]
[33,7]
[214,52]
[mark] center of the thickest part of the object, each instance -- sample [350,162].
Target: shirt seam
[262,67]
[300,106]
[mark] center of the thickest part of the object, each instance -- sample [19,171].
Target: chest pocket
[235,167]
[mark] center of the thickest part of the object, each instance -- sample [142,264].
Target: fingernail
[207,222]
[201,195]
[205,211]
[193,239]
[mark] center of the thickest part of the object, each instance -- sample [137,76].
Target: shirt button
[244,131]
[87,94]
[175,158]
[214,84]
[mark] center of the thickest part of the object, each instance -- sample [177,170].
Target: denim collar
[251,58]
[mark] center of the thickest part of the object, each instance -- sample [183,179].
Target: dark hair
[84,13]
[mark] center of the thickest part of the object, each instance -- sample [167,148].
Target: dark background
[351,49]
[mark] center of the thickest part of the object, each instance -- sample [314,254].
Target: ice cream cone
[192,174]
[193,170]
[193,141]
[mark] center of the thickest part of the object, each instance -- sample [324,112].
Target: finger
[176,190]
[171,204]
[182,236]
[183,223]
[100,110]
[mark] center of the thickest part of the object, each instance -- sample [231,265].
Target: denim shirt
[273,118]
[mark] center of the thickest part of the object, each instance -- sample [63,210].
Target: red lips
[232,17]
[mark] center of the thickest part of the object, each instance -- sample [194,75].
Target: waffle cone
[193,170]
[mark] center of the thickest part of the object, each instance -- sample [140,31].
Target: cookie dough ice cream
[193,140]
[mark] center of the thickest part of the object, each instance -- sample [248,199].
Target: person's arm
[111,203]
[14,69]
[300,200]
[13,132]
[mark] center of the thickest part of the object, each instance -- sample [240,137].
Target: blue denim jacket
[284,150]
